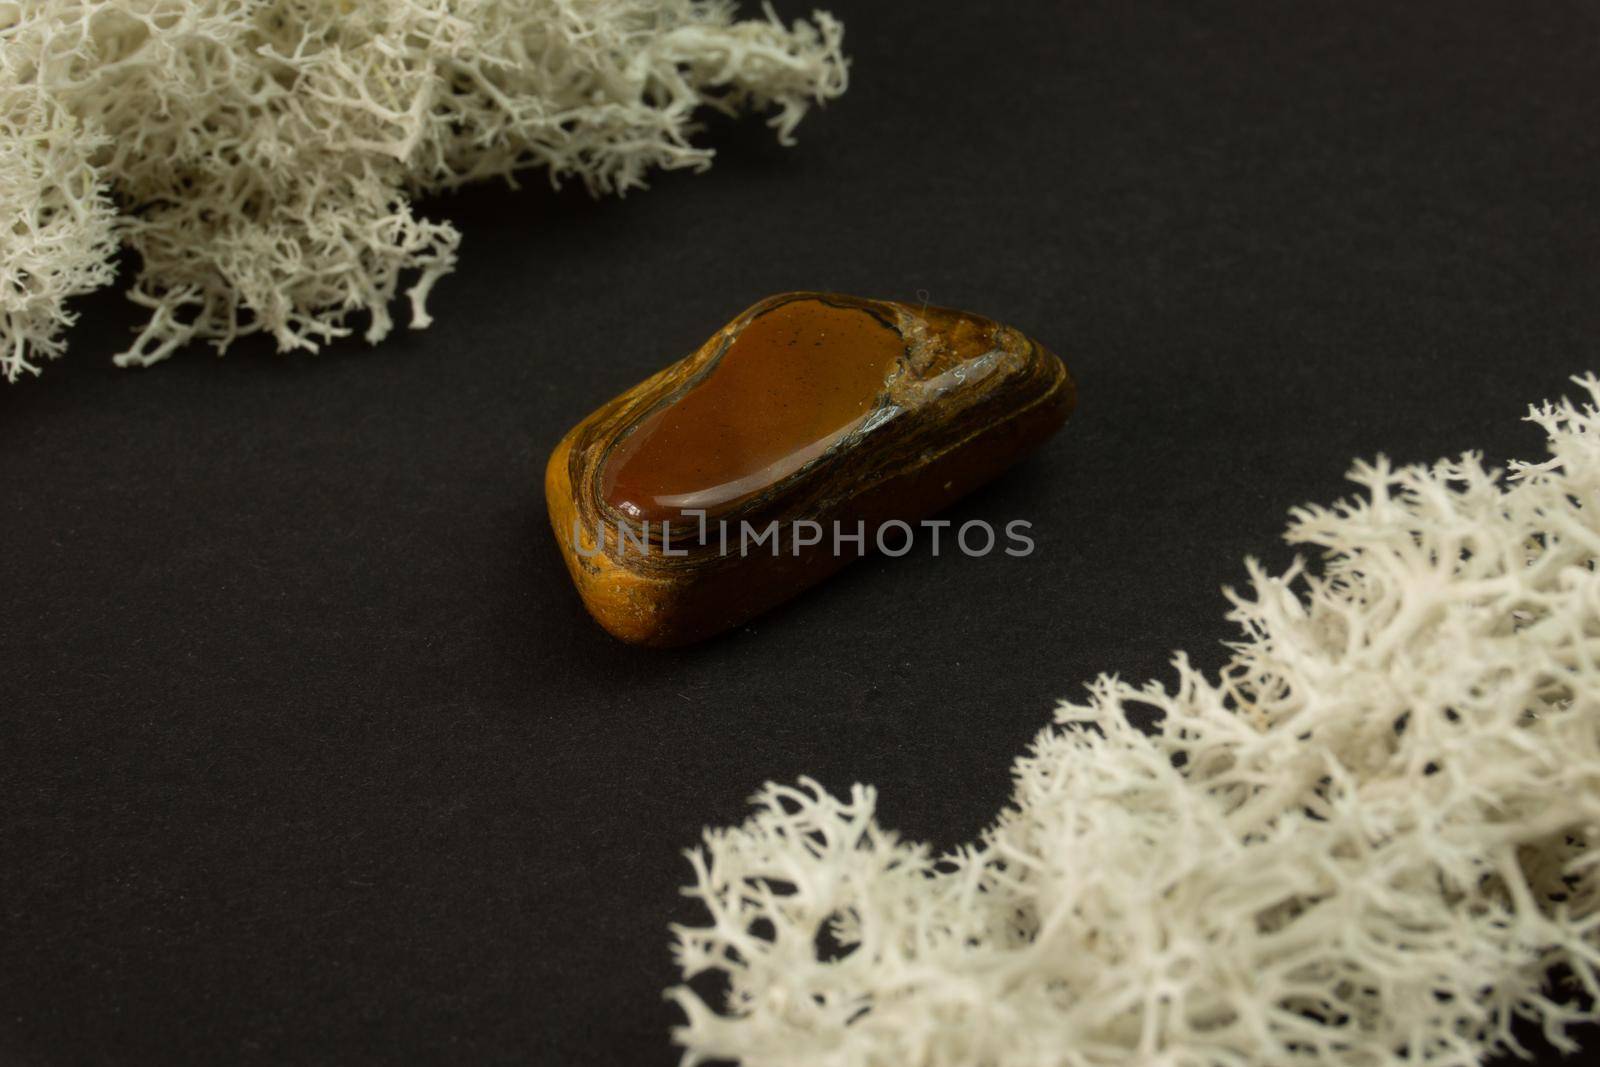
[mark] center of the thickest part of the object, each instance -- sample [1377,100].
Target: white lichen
[1373,840]
[263,154]
[55,226]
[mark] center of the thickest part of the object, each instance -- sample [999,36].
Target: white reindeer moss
[262,154]
[1372,841]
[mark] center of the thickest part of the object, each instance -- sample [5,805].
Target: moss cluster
[1373,840]
[261,156]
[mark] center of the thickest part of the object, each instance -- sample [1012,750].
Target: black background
[310,752]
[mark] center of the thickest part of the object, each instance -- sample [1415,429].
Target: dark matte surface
[309,752]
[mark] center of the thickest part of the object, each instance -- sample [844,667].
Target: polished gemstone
[814,420]
[794,381]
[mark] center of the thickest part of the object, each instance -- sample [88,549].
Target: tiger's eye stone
[816,409]
[790,385]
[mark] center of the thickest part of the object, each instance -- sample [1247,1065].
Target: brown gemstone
[809,408]
[796,380]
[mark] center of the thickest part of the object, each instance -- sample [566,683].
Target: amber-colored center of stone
[794,381]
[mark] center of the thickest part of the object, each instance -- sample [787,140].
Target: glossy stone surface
[795,381]
[808,409]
